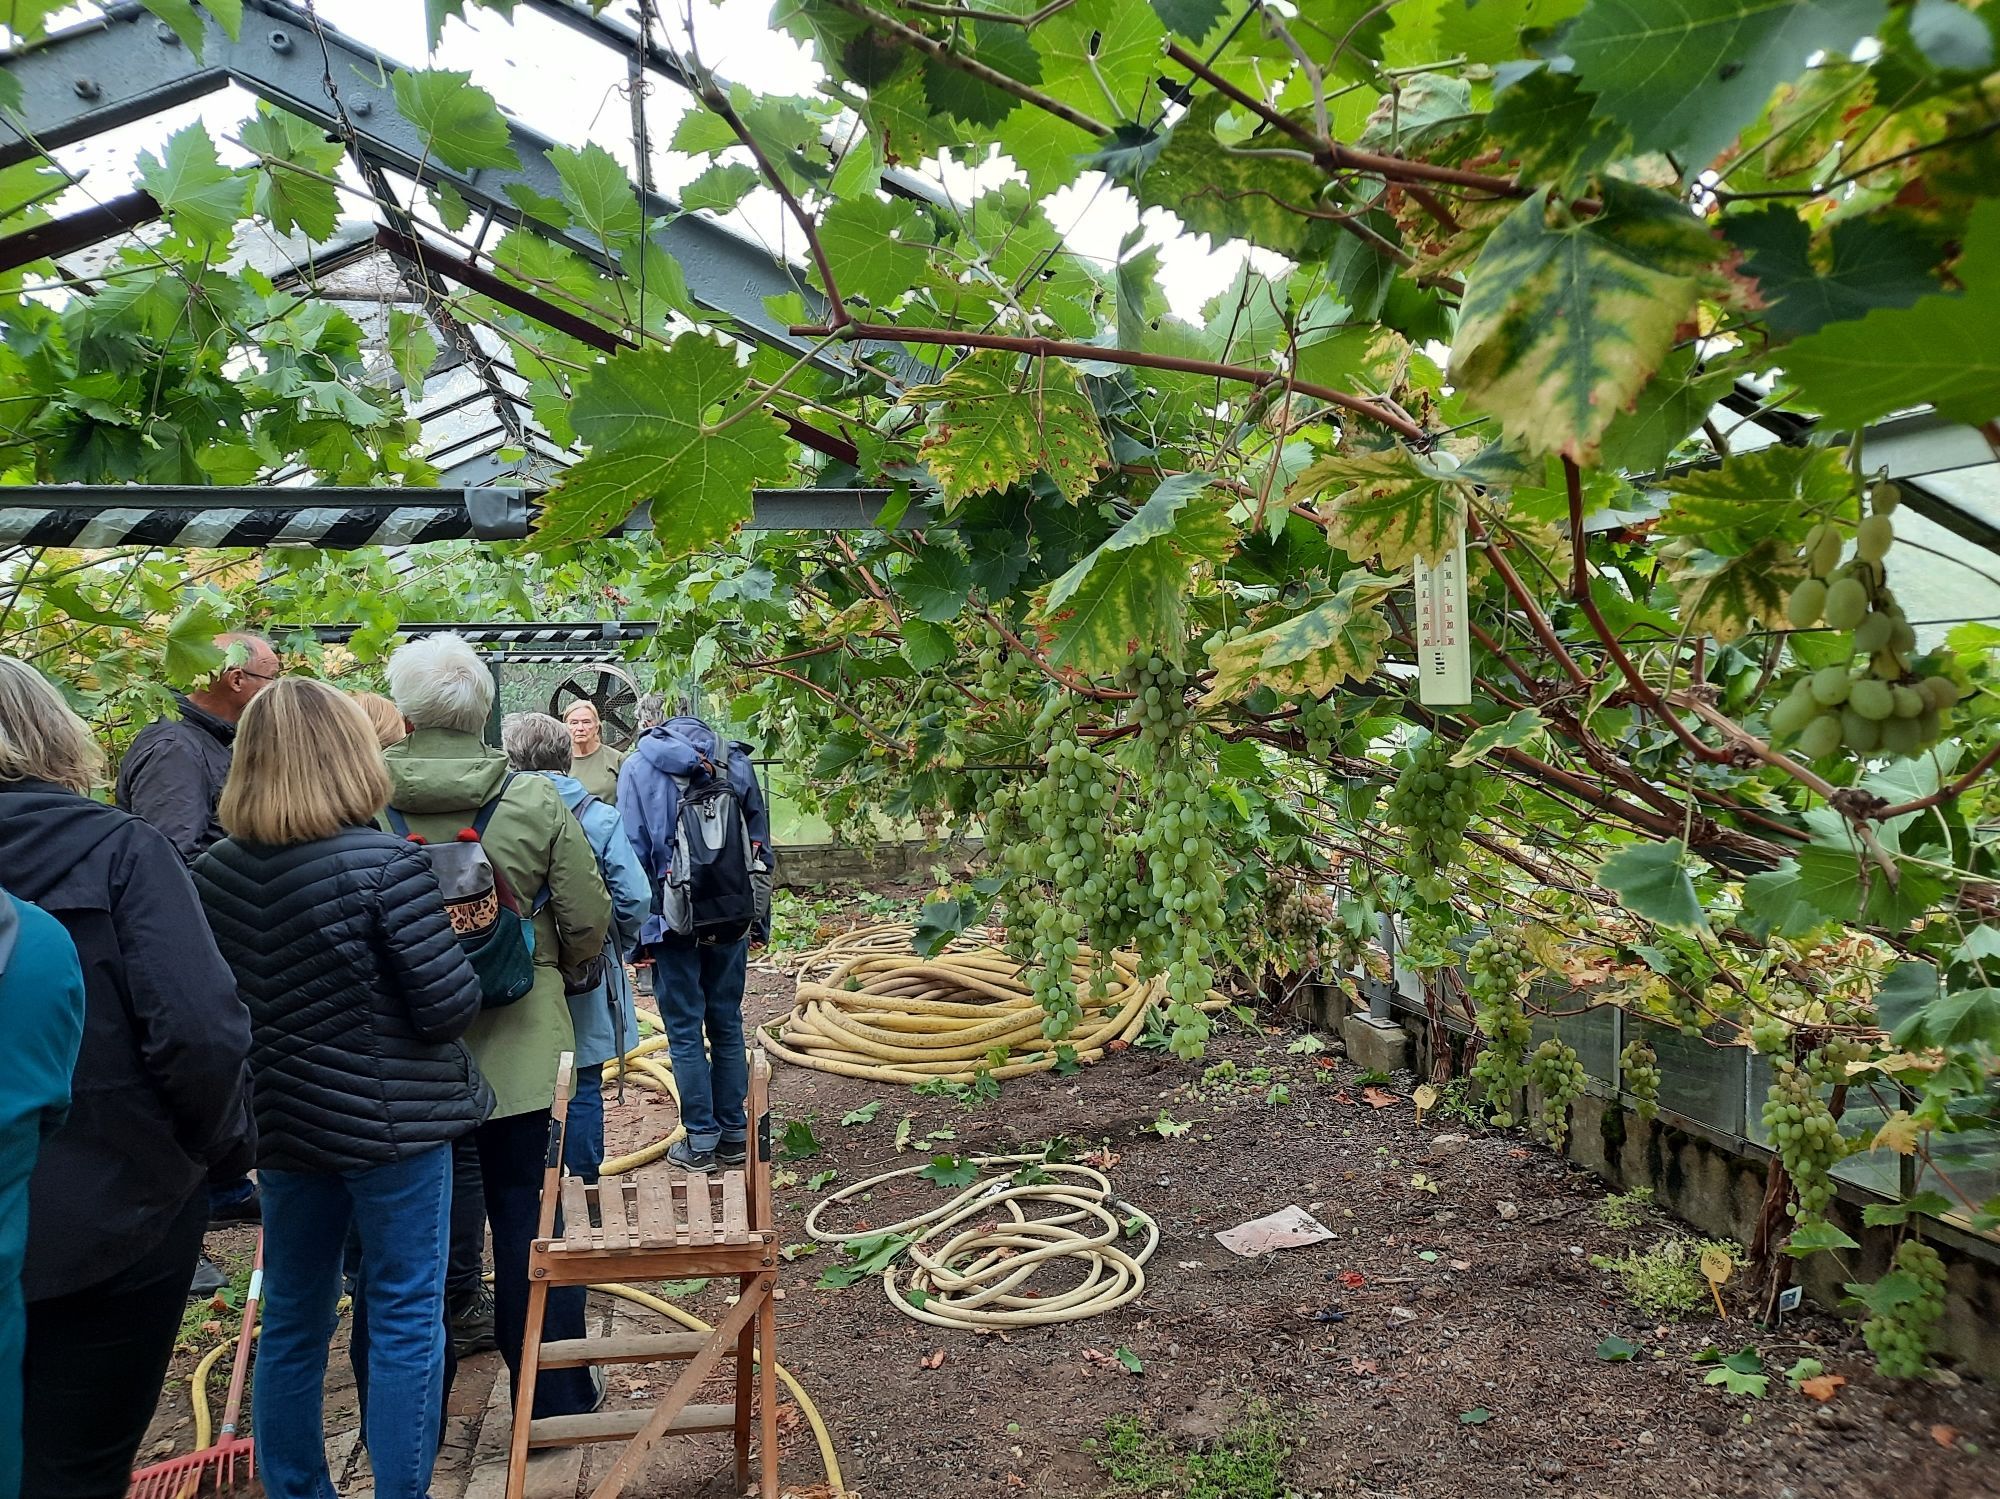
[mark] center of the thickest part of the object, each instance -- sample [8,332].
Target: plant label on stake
[1444,648]
[1424,1098]
[1716,1268]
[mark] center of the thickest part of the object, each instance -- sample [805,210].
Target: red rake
[183,1477]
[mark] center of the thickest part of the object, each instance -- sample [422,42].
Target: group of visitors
[343,941]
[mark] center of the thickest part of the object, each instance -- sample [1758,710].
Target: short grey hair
[41,738]
[535,741]
[439,682]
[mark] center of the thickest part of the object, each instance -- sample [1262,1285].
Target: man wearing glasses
[173,772]
[172,777]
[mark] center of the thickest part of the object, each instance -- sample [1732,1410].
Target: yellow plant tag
[1424,1098]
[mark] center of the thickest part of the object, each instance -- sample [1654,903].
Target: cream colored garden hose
[971,1267]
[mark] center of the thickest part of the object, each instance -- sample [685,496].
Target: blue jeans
[402,1211]
[700,994]
[583,1134]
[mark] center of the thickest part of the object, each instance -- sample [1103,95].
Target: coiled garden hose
[976,1278]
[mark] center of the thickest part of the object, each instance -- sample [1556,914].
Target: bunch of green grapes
[1881,706]
[1557,1075]
[1160,707]
[1669,997]
[1319,722]
[1640,1068]
[1496,970]
[1299,924]
[1900,1338]
[1771,1035]
[1432,801]
[1178,932]
[1805,1134]
[1065,815]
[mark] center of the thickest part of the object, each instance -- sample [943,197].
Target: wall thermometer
[1444,652]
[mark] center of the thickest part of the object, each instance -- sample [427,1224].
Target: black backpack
[708,894]
[497,935]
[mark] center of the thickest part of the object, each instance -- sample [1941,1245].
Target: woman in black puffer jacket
[357,992]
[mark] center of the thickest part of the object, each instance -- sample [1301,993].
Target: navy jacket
[358,993]
[172,776]
[160,1097]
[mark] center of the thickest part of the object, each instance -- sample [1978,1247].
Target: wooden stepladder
[663,1227]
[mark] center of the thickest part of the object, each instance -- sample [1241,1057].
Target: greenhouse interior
[1227,748]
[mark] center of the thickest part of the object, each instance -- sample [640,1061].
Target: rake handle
[241,1364]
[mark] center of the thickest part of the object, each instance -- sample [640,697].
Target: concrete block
[1381,1045]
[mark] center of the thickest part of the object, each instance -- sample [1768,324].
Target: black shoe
[207,1279]
[472,1324]
[684,1157]
[248,1209]
[732,1153]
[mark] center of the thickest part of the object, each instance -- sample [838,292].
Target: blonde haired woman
[384,717]
[357,992]
[119,1198]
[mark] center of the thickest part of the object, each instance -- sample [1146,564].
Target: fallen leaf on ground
[1103,1159]
[1342,1097]
[1365,1366]
[1117,1045]
[1354,1280]
[1944,1436]
[1378,1098]
[934,1360]
[1822,1387]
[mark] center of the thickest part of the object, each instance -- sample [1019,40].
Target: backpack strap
[398,824]
[485,814]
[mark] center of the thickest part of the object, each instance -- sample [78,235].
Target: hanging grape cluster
[1299,924]
[1064,885]
[1639,1066]
[1319,722]
[1432,801]
[1881,706]
[1176,841]
[1803,1130]
[1900,1336]
[1557,1075]
[1496,968]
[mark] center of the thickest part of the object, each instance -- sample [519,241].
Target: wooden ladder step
[621,1348]
[622,1426]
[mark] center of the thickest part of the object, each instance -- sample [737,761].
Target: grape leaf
[1490,30]
[1518,728]
[1005,49]
[1640,439]
[1811,1238]
[1955,1017]
[1616,1350]
[460,124]
[950,1171]
[1564,319]
[877,249]
[190,654]
[1724,593]
[412,348]
[179,15]
[1869,263]
[1775,906]
[1193,19]
[1687,76]
[1393,503]
[203,198]
[597,191]
[1341,640]
[292,200]
[992,429]
[1099,56]
[1546,122]
[1831,880]
[1112,603]
[1216,190]
[1940,349]
[720,188]
[1774,491]
[1652,881]
[646,415]
[935,584]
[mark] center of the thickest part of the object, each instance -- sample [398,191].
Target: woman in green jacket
[442,775]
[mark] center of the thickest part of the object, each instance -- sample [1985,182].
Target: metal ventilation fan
[612,691]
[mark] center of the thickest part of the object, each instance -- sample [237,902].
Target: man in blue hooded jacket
[697,985]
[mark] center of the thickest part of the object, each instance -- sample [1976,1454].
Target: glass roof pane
[1939,577]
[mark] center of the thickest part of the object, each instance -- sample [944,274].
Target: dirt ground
[1444,1343]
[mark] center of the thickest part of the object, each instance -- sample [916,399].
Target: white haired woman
[159,1099]
[446,781]
[601,1014]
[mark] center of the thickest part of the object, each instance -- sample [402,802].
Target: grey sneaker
[684,1157]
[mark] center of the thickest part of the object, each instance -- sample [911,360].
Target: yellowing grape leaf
[1339,641]
[1131,589]
[1394,503]
[655,421]
[993,428]
[1724,595]
[1564,320]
